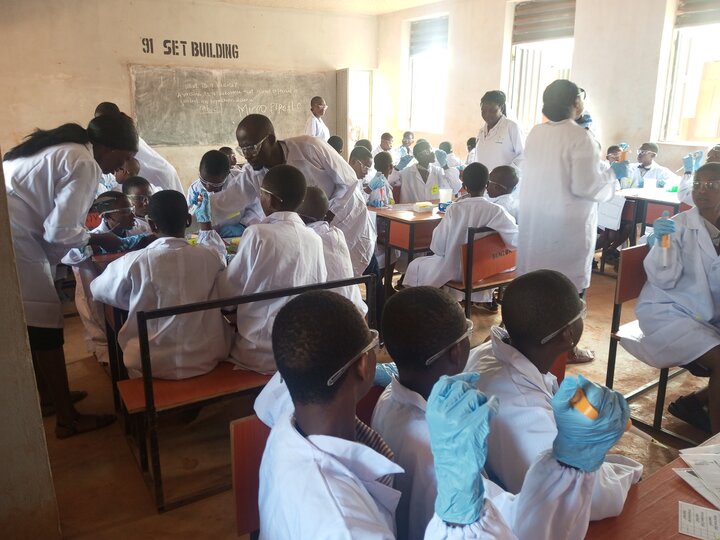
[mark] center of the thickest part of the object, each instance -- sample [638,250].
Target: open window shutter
[697,12]
[428,34]
[543,19]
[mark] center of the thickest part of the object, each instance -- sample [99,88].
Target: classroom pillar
[28,508]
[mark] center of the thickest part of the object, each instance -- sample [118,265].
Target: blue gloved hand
[458,417]
[404,160]
[131,242]
[692,161]
[231,231]
[377,182]
[623,146]
[201,199]
[621,169]
[582,442]
[375,203]
[384,373]
[441,157]
[663,225]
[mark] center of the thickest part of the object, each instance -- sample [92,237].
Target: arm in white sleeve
[685,189]
[505,225]
[211,240]
[394,178]
[114,285]
[452,177]
[590,179]
[342,199]
[490,526]
[518,141]
[241,192]
[439,241]
[612,483]
[77,255]
[665,277]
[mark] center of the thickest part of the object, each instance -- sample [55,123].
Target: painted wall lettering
[200,49]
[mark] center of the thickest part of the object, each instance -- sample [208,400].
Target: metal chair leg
[660,401]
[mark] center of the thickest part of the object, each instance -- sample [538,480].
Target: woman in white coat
[51,180]
[679,306]
[500,141]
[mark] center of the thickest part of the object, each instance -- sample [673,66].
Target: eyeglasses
[270,193]
[374,343]
[253,149]
[710,185]
[581,315]
[613,156]
[127,211]
[142,199]
[640,152]
[213,184]
[468,332]
[582,93]
[496,184]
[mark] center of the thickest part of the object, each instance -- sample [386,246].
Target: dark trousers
[374,269]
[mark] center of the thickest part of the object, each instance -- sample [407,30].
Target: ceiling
[357,7]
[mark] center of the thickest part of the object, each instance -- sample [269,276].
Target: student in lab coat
[500,141]
[168,272]
[213,174]
[315,127]
[51,180]
[279,252]
[502,184]
[452,159]
[422,181]
[336,142]
[678,308]
[386,145]
[691,163]
[361,161]
[543,319]
[113,182]
[405,149]
[232,158]
[648,173]
[421,324]
[471,142]
[445,264]
[337,257]
[159,172]
[138,191]
[322,167]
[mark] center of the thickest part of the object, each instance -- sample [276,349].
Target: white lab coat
[509,202]
[337,261]
[445,264]
[525,425]
[679,306]
[315,127]
[239,200]
[553,504]
[471,157]
[167,273]
[278,253]
[156,169]
[502,145]
[49,195]
[562,180]
[453,160]
[685,188]
[655,173]
[413,189]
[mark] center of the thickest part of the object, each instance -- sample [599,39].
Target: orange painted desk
[406,231]
[651,508]
[650,204]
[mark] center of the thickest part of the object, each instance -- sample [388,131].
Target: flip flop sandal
[683,409]
[48,409]
[63,431]
[581,356]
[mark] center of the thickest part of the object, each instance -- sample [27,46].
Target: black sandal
[690,410]
[48,409]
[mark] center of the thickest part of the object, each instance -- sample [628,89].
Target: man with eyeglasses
[315,127]
[648,173]
[543,319]
[322,167]
[501,188]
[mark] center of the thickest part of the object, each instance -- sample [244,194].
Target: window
[542,49]
[692,102]
[427,74]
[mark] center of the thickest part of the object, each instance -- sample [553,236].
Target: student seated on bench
[278,253]
[501,189]
[474,211]
[428,336]
[543,318]
[167,273]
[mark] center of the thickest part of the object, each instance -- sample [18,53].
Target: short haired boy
[543,319]
[167,273]
[452,159]
[361,161]
[386,144]
[315,125]
[647,173]
[279,252]
[471,143]
[501,188]
[422,181]
[138,191]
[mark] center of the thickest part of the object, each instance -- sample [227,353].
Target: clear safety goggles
[267,191]
[127,211]
[138,199]
[710,185]
[468,332]
[640,152]
[581,315]
[212,184]
[253,149]
[373,345]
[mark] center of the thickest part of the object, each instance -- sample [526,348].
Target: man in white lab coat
[502,184]
[386,145]
[315,127]
[648,173]
[168,272]
[323,167]
[543,319]
[500,141]
[423,181]
[445,264]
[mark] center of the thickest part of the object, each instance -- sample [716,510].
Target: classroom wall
[61,58]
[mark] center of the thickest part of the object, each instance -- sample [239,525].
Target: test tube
[581,404]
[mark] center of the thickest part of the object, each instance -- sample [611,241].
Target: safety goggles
[374,344]
[640,152]
[581,315]
[710,185]
[212,184]
[267,191]
[127,211]
[138,199]
[466,334]
[497,184]
[253,149]
[581,93]
[613,156]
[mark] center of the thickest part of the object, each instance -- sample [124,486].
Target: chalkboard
[179,106]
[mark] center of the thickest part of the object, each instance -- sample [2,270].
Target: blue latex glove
[663,225]
[404,160]
[582,442]
[201,199]
[458,417]
[621,169]
[377,182]
[131,242]
[441,157]
[623,146]
[231,231]
[384,373]
[692,161]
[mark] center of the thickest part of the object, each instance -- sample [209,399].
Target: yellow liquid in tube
[581,404]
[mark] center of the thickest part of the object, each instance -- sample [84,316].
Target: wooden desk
[406,231]
[651,508]
[650,204]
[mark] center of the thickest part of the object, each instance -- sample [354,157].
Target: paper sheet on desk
[692,479]
[609,213]
[707,469]
[698,522]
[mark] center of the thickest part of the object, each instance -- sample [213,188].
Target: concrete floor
[101,493]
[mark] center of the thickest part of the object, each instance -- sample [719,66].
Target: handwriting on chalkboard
[200,49]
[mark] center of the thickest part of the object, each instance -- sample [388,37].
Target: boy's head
[502,180]
[168,213]
[421,324]
[408,138]
[116,210]
[106,107]
[423,153]
[386,141]
[214,169]
[613,153]
[315,205]
[230,153]
[383,162]
[647,153]
[446,147]
[336,142]
[323,349]
[361,160]
[318,106]
[471,142]
[138,191]
[282,190]
[365,143]
[543,314]
[706,190]
[475,179]
[130,168]
[713,154]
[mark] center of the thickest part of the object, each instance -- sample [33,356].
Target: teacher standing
[500,141]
